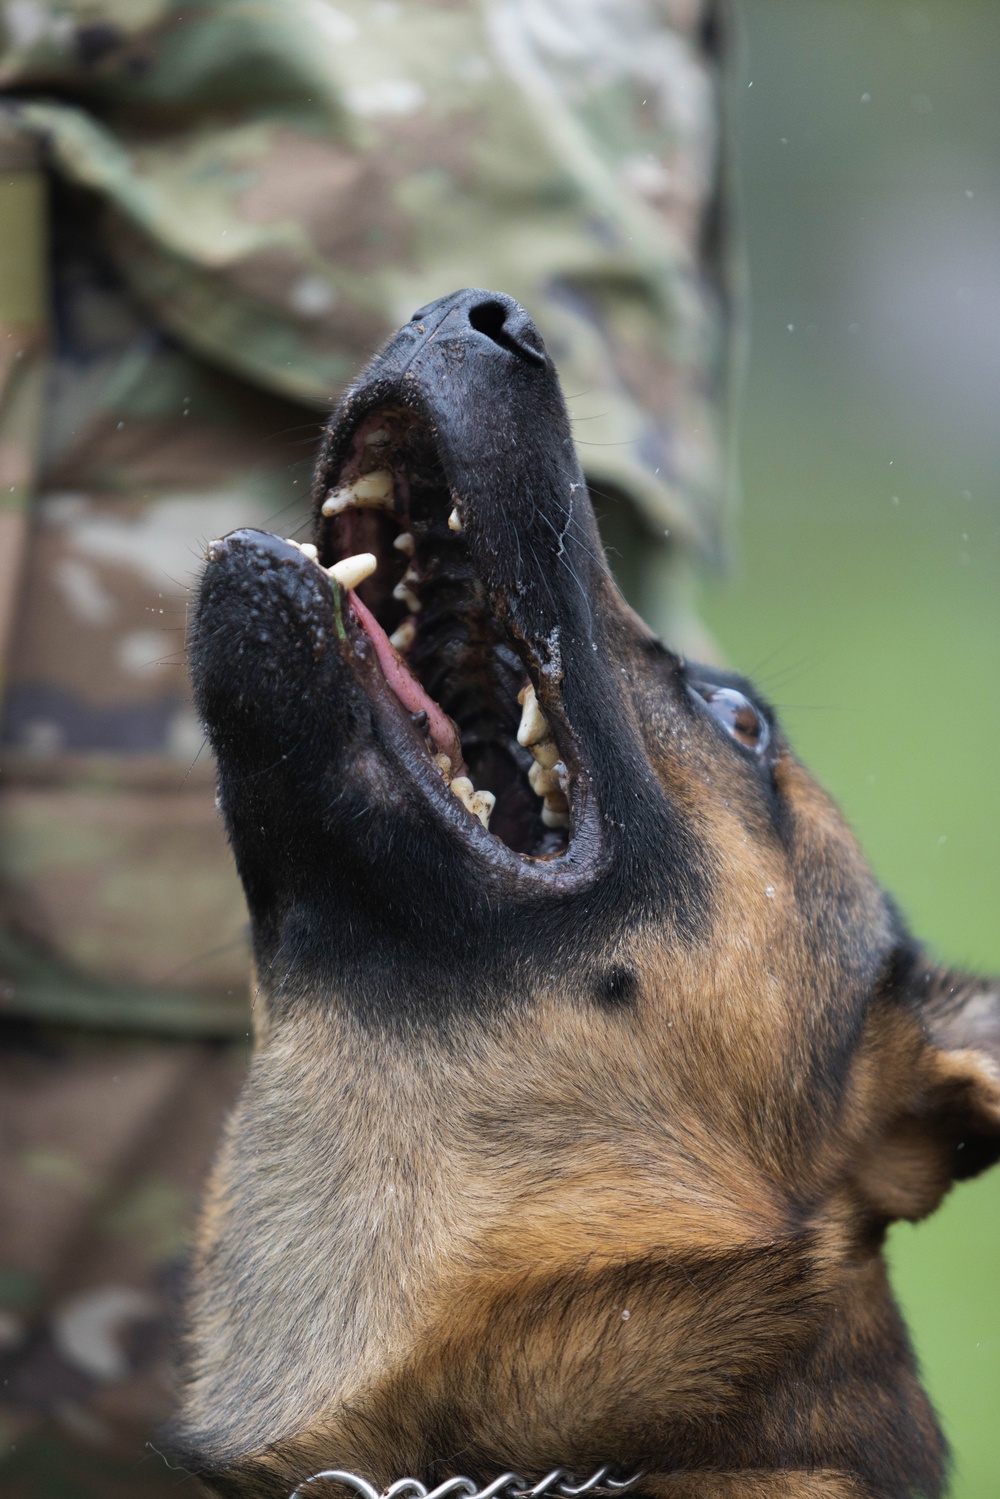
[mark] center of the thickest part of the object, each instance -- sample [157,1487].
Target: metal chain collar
[559,1484]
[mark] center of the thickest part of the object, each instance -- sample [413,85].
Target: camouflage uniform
[213,213]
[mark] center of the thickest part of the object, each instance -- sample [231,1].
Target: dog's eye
[736,713]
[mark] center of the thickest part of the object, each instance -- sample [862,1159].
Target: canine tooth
[405,543]
[351,571]
[554,817]
[368,492]
[305,547]
[402,638]
[454,520]
[406,596]
[443,763]
[546,752]
[534,726]
[411,575]
[374,486]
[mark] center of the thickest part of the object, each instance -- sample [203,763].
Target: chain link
[559,1484]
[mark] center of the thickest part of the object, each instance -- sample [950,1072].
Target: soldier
[213,214]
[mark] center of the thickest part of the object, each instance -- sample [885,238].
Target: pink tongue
[409,691]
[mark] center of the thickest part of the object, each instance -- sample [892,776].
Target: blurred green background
[865,587]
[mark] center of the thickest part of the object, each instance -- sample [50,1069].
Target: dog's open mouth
[393,539]
[428,686]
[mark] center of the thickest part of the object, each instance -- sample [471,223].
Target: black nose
[490,315]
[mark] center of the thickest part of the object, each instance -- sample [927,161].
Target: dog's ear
[939,1111]
[961,1017]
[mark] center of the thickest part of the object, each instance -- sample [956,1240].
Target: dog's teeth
[376,438]
[443,763]
[545,753]
[533,726]
[555,810]
[374,488]
[454,521]
[406,596]
[405,543]
[548,776]
[368,492]
[402,638]
[351,571]
[543,780]
[479,803]
[305,547]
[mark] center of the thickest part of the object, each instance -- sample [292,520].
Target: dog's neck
[433,1233]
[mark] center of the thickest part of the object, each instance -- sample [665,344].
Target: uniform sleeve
[286,181]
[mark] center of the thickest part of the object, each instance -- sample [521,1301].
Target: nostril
[510,327]
[489,318]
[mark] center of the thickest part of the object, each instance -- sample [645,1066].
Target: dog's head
[592,1062]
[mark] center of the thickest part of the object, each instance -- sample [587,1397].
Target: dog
[591,1061]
